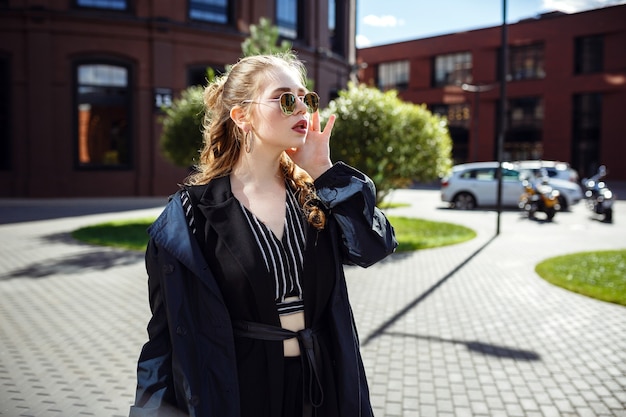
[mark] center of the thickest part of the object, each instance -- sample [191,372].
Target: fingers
[329,125]
[315,122]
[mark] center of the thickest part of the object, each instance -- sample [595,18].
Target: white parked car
[561,177]
[555,169]
[475,185]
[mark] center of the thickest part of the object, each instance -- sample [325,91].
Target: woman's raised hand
[314,155]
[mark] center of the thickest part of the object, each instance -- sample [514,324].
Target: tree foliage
[263,39]
[394,142]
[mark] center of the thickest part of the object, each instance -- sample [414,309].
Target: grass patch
[413,234]
[390,205]
[600,274]
[127,234]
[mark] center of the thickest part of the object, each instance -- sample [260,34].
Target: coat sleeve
[350,197]
[155,391]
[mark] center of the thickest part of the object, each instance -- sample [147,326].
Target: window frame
[6,145]
[396,73]
[586,54]
[300,22]
[587,131]
[518,69]
[228,13]
[452,59]
[128,106]
[194,70]
[337,36]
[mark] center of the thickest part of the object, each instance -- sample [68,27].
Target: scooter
[538,196]
[598,197]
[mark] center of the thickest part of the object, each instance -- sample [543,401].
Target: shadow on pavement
[381,329]
[100,260]
[480,347]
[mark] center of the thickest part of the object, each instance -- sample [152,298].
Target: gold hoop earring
[248,139]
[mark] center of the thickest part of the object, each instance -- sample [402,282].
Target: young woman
[250,313]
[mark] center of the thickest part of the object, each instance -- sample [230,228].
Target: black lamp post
[502,113]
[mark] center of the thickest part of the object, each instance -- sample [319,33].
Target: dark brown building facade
[82,82]
[566,89]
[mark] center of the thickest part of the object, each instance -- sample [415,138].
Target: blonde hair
[222,138]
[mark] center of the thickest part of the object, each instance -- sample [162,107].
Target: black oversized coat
[189,365]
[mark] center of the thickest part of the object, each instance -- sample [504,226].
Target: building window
[457,115]
[103,134]
[5,108]
[393,75]
[587,119]
[200,74]
[458,119]
[288,18]
[337,21]
[103,4]
[525,112]
[589,54]
[524,129]
[526,62]
[452,69]
[215,11]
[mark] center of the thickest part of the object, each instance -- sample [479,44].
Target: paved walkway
[464,330]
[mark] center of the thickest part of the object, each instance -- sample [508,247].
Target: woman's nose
[300,106]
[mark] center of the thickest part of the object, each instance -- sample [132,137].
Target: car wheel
[464,201]
[563,203]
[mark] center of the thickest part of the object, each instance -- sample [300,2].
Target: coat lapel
[224,214]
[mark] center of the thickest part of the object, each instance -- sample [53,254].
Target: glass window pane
[5,115]
[287,18]
[209,10]
[589,54]
[103,116]
[393,75]
[104,4]
[102,74]
[526,62]
[453,69]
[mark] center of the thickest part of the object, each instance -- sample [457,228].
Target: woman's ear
[239,116]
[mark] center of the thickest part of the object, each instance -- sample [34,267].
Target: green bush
[394,142]
[181,138]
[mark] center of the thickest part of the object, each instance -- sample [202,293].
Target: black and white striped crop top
[283,258]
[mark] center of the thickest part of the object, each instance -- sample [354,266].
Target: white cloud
[573,6]
[362,41]
[382,21]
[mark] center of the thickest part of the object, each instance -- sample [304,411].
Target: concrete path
[464,330]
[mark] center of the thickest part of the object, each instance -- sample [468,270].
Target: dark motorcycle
[598,197]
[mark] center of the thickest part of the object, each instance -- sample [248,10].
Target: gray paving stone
[464,330]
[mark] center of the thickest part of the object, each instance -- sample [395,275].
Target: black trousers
[293,391]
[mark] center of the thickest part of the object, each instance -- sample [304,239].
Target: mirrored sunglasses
[287,101]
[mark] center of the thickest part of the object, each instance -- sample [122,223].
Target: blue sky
[389,21]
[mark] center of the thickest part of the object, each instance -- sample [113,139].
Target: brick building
[82,81]
[566,93]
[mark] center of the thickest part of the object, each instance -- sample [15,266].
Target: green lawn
[127,234]
[411,233]
[600,274]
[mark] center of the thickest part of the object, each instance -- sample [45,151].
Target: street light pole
[503,76]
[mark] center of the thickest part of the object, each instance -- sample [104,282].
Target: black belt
[307,339]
